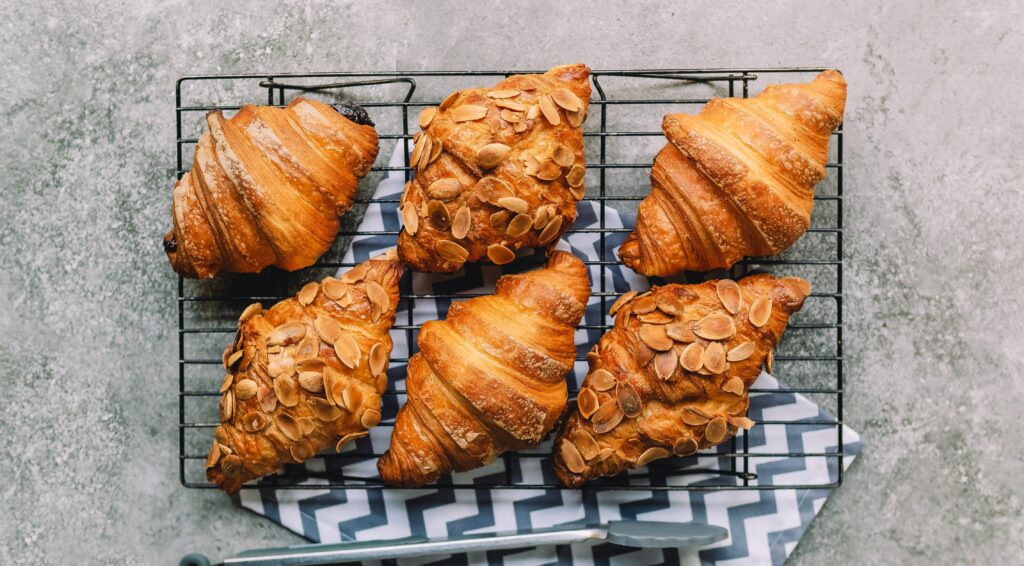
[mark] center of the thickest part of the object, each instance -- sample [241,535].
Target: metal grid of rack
[621,134]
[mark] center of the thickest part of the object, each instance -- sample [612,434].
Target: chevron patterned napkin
[764,525]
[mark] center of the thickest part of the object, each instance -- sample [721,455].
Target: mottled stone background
[934,217]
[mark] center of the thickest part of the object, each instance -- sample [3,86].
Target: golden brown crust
[737,179]
[491,377]
[645,396]
[306,375]
[482,145]
[266,188]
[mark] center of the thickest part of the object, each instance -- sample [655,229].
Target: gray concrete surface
[934,218]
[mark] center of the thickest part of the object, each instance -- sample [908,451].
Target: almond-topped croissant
[267,186]
[306,375]
[491,377]
[672,375]
[737,179]
[497,169]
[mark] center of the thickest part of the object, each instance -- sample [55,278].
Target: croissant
[496,169]
[306,375]
[737,179]
[673,373]
[490,378]
[267,186]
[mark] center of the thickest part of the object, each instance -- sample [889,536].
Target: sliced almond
[226,384]
[607,417]
[654,336]
[665,364]
[519,127]
[510,105]
[563,156]
[491,155]
[448,101]
[769,361]
[533,112]
[410,220]
[312,381]
[621,302]
[680,331]
[327,328]
[356,274]
[548,170]
[254,421]
[628,399]
[550,231]
[310,364]
[692,357]
[541,217]
[302,451]
[715,326]
[734,386]
[566,99]
[715,431]
[604,454]
[585,443]
[451,251]
[740,352]
[760,311]
[684,446]
[334,289]
[331,377]
[670,304]
[266,398]
[370,418]
[500,218]
[500,254]
[428,148]
[489,189]
[347,350]
[288,426]
[741,422]
[572,458]
[417,151]
[234,357]
[511,116]
[694,418]
[352,398]
[227,406]
[575,175]
[438,215]
[645,303]
[250,311]
[245,389]
[515,204]
[214,456]
[519,225]
[308,293]
[468,113]
[281,366]
[349,438]
[286,390]
[729,294]
[378,359]
[576,119]
[601,380]
[714,358]
[643,354]
[308,349]
[651,454]
[323,410]
[503,93]
[378,296]
[306,425]
[587,402]
[444,189]
[427,116]
[655,317]
[289,333]
[435,151]
[549,109]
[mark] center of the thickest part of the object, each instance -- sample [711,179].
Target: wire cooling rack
[621,135]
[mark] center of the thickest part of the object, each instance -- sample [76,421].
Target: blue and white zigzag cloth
[764,525]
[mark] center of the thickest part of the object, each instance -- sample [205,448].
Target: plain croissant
[267,186]
[306,375]
[737,179]
[497,169]
[672,376]
[491,377]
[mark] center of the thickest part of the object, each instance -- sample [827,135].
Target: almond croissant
[672,375]
[491,377]
[267,186]
[497,169]
[306,375]
[737,179]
